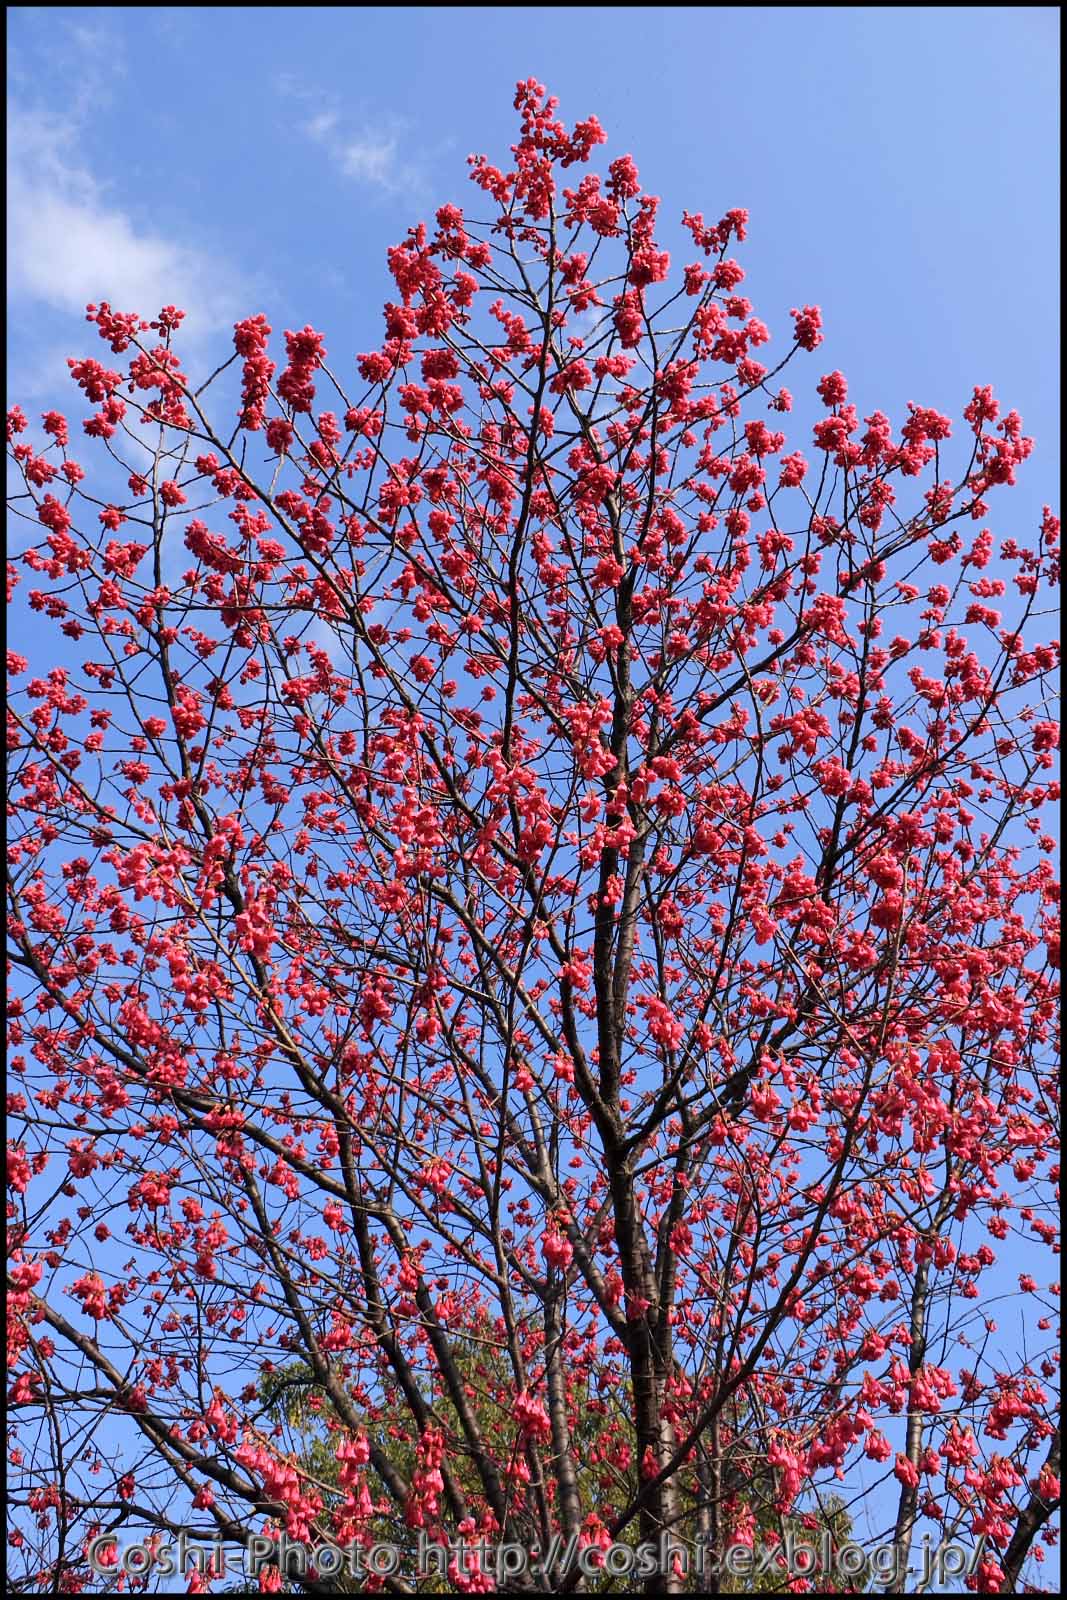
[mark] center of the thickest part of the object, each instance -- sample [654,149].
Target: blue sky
[899,165]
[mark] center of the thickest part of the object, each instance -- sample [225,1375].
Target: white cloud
[68,243]
[322,125]
[374,160]
[366,156]
[380,156]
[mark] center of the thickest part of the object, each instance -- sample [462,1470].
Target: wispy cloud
[366,156]
[377,152]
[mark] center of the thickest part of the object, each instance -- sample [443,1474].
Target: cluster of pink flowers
[250,339]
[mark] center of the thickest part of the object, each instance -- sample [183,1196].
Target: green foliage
[603,1449]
